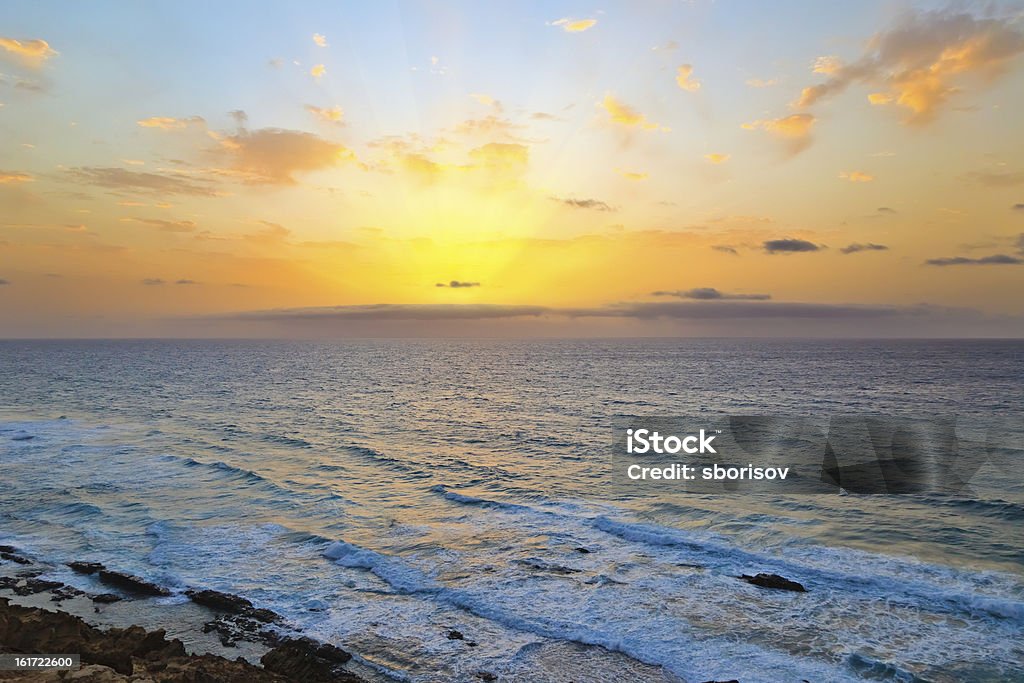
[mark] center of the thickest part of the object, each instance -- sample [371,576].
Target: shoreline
[127,630]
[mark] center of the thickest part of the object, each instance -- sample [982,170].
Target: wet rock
[304,659]
[544,566]
[105,598]
[455,635]
[130,655]
[486,676]
[12,556]
[65,593]
[232,604]
[27,586]
[729,681]
[585,551]
[773,581]
[86,567]
[132,583]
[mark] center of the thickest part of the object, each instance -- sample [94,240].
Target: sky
[657,168]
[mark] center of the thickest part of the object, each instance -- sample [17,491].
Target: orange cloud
[170,123]
[574,25]
[795,128]
[317,71]
[857,176]
[923,62]
[624,115]
[320,39]
[328,115]
[685,80]
[273,156]
[717,158]
[14,177]
[33,53]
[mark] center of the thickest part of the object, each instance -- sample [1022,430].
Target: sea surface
[379,493]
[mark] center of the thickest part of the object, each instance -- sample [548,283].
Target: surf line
[714,472]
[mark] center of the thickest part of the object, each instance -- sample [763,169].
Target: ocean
[380,493]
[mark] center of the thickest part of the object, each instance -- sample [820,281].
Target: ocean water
[379,493]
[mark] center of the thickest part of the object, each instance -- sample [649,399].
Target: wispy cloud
[458,284]
[7,177]
[135,181]
[857,176]
[333,115]
[711,294]
[923,61]
[794,129]
[320,39]
[570,25]
[32,53]
[593,204]
[993,260]
[622,114]
[857,247]
[717,158]
[171,123]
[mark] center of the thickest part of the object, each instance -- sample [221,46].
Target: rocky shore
[132,653]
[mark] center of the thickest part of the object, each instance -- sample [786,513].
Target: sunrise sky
[306,169]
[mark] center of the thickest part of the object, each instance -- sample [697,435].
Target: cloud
[886,210]
[570,25]
[856,247]
[171,123]
[487,101]
[789,245]
[134,181]
[685,80]
[317,71]
[762,83]
[795,129]
[328,115]
[624,115]
[272,156]
[457,284]
[857,176]
[153,281]
[997,178]
[4,282]
[14,177]
[712,294]
[185,282]
[922,61]
[396,312]
[1015,207]
[679,310]
[993,260]
[594,204]
[273,233]
[32,53]
[320,40]
[165,225]
[717,158]
[635,176]
[725,249]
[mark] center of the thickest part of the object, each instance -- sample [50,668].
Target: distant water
[379,493]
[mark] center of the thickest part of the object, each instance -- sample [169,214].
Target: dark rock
[486,676]
[8,549]
[455,635]
[86,567]
[132,583]
[12,556]
[583,550]
[544,566]
[304,659]
[232,604]
[105,598]
[773,581]
[729,681]
[224,602]
[65,593]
